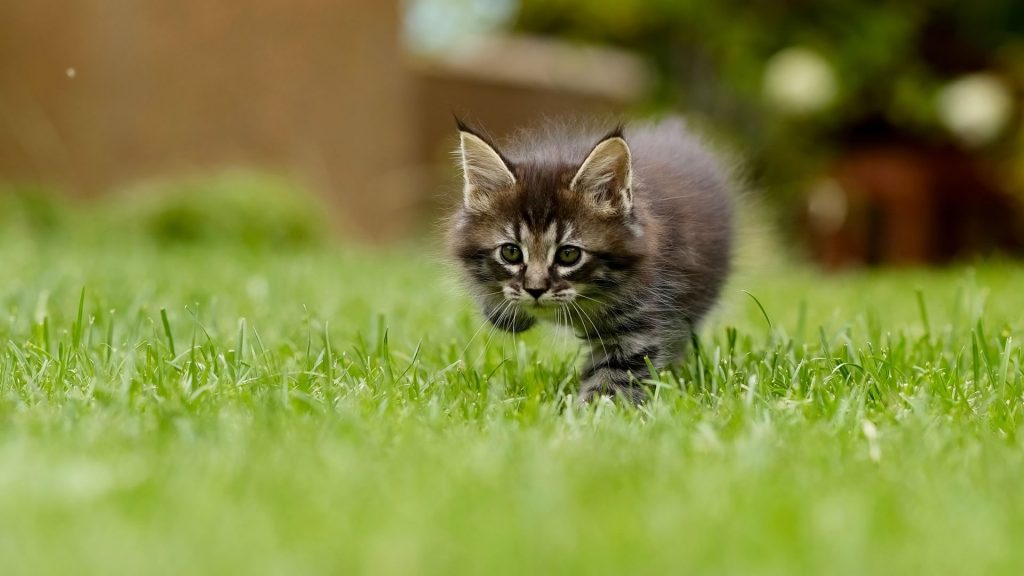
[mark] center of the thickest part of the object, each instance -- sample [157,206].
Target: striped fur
[625,236]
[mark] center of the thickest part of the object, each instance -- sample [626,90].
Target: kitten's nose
[536,292]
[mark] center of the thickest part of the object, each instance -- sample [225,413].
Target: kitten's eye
[511,253]
[568,255]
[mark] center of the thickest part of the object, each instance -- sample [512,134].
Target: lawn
[200,402]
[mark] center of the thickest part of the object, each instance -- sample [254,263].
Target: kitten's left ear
[607,175]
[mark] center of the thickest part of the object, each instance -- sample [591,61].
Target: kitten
[625,237]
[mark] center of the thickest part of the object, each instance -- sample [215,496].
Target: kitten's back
[688,190]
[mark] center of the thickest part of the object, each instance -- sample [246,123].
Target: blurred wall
[94,93]
[98,93]
[502,83]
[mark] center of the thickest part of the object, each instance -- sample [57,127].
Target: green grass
[210,407]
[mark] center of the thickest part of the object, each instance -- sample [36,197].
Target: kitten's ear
[607,175]
[484,170]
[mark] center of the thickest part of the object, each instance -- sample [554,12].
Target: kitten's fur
[650,209]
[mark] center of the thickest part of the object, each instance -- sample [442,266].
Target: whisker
[578,295]
[564,319]
[487,339]
[511,306]
[515,337]
[596,331]
[475,334]
[586,331]
[478,330]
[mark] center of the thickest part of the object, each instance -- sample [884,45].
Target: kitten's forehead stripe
[566,235]
[551,241]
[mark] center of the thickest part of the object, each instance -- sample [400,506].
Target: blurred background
[876,133]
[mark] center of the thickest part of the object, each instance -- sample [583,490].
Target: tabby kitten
[625,237]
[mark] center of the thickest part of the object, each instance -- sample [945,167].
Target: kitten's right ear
[484,170]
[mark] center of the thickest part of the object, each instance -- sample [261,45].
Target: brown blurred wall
[94,93]
[98,93]
[499,108]
[502,83]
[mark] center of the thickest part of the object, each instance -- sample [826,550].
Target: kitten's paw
[633,394]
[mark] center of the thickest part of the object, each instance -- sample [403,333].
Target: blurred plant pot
[901,202]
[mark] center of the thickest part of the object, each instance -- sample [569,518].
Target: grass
[210,407]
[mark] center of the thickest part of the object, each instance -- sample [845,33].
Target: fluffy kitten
[626,237]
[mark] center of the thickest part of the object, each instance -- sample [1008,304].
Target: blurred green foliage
[255,210]
[29,208]
[251,210]
[889,60]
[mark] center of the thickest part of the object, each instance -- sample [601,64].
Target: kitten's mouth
[547,310]
[531,304]
[547,304]
[542,304]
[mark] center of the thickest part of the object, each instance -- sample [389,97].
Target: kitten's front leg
[615,368]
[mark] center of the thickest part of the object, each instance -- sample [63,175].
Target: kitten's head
[543,231]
